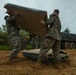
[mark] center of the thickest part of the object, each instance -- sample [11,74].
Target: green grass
[4,47]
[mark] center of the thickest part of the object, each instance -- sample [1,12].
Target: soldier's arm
[50,20]
[14,17]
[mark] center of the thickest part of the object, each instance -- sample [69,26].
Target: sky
[67,10]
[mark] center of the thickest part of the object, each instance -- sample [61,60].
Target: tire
[72,45]
[67,45]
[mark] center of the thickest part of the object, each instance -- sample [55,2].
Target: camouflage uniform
[52,39]
[36,41]
[13,36]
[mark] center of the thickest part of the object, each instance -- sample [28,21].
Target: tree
[0,29]
[3,35]
[67,30]
[4,29]
[24,33]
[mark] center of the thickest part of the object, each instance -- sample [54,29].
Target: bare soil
[25,66]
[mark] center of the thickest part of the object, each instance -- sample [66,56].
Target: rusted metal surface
[29,19]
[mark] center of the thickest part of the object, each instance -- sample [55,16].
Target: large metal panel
[29,19]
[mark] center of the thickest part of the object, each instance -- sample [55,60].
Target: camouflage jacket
[55,27]
[12,29]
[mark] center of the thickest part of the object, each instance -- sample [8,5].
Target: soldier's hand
[41,21]
[8,12]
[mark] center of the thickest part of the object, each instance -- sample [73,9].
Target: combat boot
[39,62]
[57,65]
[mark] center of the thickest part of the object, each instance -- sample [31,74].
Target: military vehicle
[68,40]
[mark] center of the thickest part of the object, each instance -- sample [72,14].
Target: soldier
[52,39]
[37,41]
[13,36]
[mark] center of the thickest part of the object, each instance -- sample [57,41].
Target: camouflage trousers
[15,45]
[46,45]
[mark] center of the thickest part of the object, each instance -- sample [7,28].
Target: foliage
[4,29]
[4,47]
[67,30]
[4,38]
[24,34]
[0,29]
[28,47]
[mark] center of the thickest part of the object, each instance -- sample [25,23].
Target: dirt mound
[25,66]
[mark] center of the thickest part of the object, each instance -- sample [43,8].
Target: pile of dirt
[25,66]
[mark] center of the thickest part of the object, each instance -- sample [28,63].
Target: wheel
[67,45]
[72,45]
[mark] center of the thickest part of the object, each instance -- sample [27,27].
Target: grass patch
[4,47]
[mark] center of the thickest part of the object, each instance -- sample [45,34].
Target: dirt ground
[25,66]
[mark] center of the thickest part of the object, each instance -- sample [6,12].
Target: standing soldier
[13,36]
[52,39]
